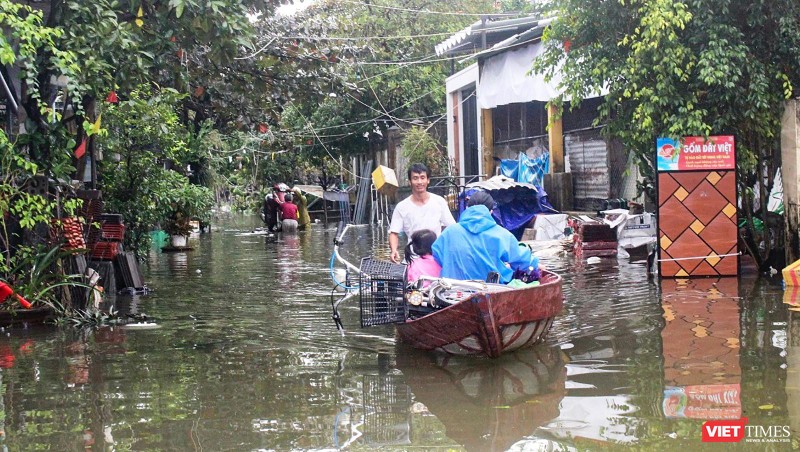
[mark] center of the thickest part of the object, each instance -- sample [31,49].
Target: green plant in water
[187,202]
[146,136]
[86,318]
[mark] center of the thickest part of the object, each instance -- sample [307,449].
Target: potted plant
[188,202]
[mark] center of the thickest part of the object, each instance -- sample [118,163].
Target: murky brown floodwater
[247,358]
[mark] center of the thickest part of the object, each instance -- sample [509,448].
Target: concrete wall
[790,158]
[463,79]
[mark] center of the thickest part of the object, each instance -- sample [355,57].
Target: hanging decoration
[80,151]
[96,125]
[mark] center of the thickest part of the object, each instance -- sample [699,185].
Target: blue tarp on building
[526,169]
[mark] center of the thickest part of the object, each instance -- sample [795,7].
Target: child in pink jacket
[420,258]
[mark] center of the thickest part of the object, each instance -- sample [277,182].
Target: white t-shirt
[409,217]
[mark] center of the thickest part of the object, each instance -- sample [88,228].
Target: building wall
[466,78]
[790,171]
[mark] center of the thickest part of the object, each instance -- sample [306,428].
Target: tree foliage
[680,68]
[687,68]
[384,69]
[145,140]
[420,146]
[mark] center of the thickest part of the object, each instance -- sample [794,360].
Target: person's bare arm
[394,241]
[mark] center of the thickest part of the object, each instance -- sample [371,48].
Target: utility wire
[394,69]
[257,52]
[374,93]
[426,11]
[404,63]
[442,117]
[310,126]
[363,38]
[378,117]
[488,28]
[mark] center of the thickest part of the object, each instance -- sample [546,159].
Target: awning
[315,190]
[471,39]
[506,79]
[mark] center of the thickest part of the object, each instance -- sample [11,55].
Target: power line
[308,124]
[257,52]
[394,69]
[374,93]
[404,63]
[363,38]
[490,27]
[378,117]
[426,11]
[442,117]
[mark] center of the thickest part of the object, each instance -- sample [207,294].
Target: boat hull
[37,315]
[489,324]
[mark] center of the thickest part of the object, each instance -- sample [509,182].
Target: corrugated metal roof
[588,161]
[451,42]
[526,37]
[500,183]
[470,38]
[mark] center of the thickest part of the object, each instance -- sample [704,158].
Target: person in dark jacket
[271,212]
[477,245]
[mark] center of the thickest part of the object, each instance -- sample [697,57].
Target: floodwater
[246,357]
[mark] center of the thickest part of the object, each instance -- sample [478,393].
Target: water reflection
[247,357]
[702,375]
[382,419]
[488,405]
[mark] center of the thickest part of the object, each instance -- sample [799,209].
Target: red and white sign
[717,153]
[696,153]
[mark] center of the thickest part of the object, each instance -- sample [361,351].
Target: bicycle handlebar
[340,232]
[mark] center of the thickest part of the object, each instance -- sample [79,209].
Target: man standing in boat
[421,210]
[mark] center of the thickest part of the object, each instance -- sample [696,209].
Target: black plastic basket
[382,292]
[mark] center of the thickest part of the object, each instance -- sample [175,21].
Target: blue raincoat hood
[476,219]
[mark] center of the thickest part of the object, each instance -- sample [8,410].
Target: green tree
[686,68]
[95,47]
[146,137]
[35,49]
[385,71]
[420,146]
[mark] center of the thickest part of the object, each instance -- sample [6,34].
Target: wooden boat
[489,323]
[488,405]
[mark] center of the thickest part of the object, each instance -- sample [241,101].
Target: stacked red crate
[595,239]
[107,240]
